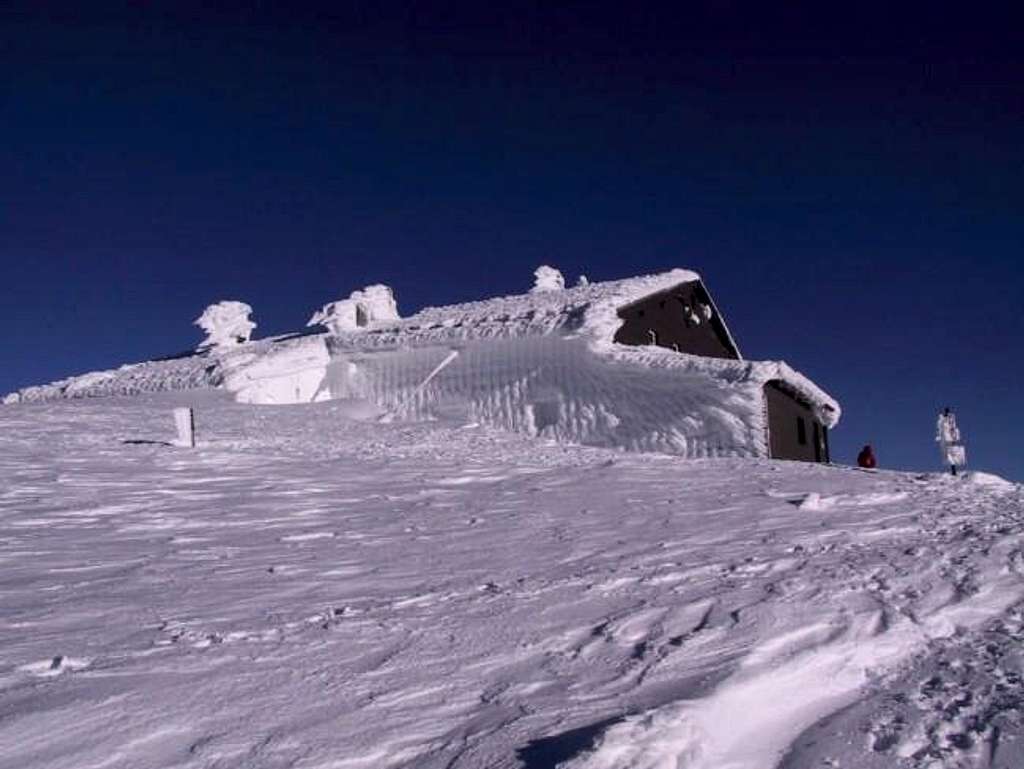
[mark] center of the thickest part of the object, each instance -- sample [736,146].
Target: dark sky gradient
[850,183]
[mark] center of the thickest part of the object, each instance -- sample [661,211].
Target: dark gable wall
[784,414]
[665,314]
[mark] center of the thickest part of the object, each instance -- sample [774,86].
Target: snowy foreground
[304,590]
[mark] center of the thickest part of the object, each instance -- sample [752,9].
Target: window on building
[801,431]
[689,316]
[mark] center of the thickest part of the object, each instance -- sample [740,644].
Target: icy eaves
[739,372]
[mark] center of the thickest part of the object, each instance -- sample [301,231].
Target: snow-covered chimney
[226,324]
[547,279]
[336,317]
[373,304]
[378,301]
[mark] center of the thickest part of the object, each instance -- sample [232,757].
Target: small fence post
[185,421]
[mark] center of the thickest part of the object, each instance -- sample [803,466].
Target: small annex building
[644,364]
[685,319]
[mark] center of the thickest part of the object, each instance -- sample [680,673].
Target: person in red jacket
[866,458]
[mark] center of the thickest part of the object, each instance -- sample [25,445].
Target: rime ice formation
[544,363]
[226,324]
[547,279]
[374,304]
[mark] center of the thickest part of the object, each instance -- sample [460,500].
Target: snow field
[307,590]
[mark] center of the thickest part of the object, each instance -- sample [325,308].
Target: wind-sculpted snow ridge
[641,399]
[308,590]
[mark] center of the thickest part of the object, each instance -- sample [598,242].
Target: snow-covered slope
[306,590]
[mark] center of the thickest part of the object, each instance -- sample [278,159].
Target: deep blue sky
[850,183]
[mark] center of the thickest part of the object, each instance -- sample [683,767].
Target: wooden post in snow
[185,421]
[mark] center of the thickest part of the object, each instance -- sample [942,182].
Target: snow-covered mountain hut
[645,363]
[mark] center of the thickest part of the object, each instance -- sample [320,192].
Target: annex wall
[793,430]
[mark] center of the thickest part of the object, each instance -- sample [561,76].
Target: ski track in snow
[303,590]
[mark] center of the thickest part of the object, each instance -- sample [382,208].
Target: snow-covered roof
[590,310]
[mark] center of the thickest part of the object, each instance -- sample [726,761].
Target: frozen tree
[372,304]
[947,434]
[547,279]
[226,324]
[582,281]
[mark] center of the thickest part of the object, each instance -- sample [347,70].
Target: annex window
[801,431]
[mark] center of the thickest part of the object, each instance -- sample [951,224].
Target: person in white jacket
[947,434]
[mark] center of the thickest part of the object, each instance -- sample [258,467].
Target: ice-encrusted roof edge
[825,407]
[757,372]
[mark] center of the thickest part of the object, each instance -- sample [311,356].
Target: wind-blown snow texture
[542,363]
[305,590]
